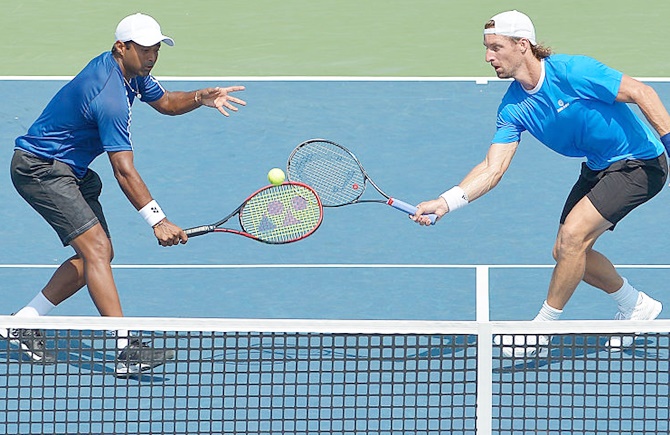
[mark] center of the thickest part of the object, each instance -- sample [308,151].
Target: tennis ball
[276,176]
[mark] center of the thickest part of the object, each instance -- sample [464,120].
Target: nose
[152,56]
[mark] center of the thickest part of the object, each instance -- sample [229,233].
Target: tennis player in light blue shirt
[573,111]
[576,106]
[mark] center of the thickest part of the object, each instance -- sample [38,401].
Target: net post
[484,354]
[482,293]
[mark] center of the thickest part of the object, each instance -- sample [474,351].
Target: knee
[94,247]
[100,250]
[568,243]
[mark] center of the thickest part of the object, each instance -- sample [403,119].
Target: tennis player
[91,115]
[576,106]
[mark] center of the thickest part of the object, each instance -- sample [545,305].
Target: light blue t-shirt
[573,111]
[89,115]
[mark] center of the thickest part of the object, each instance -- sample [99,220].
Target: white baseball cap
[514,24]
[141,29]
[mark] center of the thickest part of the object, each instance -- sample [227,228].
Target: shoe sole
[626,341]
[135,369]
[519,351]
[524,353]
[139,368]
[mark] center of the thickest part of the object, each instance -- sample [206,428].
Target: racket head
[283,213]
[332,170]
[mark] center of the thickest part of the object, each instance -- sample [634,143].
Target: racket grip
[199,231]
[409,208]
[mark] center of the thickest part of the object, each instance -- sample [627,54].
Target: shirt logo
[561,106]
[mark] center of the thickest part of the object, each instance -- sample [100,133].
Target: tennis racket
[275,214]
[336,175]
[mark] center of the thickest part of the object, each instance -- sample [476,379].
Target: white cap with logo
[513,24]
[141,29]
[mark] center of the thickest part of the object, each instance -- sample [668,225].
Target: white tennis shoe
[646,308]
[523,346]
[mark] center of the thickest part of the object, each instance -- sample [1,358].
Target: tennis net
[263,376]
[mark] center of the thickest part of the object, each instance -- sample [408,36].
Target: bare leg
[91,265]
[66,281]
[575,260]
[600,273]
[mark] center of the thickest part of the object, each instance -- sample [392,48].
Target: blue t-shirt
[89,115]
[573,111]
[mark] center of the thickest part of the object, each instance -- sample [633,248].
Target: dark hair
[539,51]
[114,47]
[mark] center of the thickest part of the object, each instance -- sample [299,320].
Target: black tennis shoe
[32,343]
[139,357]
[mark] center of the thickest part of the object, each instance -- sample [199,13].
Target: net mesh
[369,377]
[578,385]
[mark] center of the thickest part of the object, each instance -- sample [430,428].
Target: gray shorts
[69,204]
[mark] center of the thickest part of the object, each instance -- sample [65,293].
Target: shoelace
[622,316]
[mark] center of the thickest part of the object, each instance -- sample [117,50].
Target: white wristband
[152,213]
[455,198]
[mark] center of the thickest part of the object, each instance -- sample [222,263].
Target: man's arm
[178,102]
[138,194]
[646,98]
[480,180]
[486,175]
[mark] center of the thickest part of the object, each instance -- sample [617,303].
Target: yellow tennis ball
[276,176]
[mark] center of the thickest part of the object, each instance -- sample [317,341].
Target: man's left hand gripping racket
[275,214]
[336,175]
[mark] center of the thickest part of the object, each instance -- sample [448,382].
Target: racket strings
[330,170]
[281,214]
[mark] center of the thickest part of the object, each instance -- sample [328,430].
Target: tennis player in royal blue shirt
[89,116]
[576,106]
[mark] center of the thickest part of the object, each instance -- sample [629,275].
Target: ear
[120,47]
[524,45]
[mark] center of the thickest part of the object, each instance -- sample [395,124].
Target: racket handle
[199,231]
[409,208]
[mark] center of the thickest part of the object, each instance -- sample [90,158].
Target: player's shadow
[280,350]
[75,352]
[571,348]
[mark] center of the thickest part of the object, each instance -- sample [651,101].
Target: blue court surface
[415,138]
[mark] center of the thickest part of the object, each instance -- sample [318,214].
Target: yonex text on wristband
[152,213]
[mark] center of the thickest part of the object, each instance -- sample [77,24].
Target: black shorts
[615,191]
[69,204]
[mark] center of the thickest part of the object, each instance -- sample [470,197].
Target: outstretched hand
[221,99]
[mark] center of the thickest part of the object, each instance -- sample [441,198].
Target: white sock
[626,297]
[39,306]
[548,313]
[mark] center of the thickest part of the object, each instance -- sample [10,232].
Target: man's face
[138,60]
[504,54]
